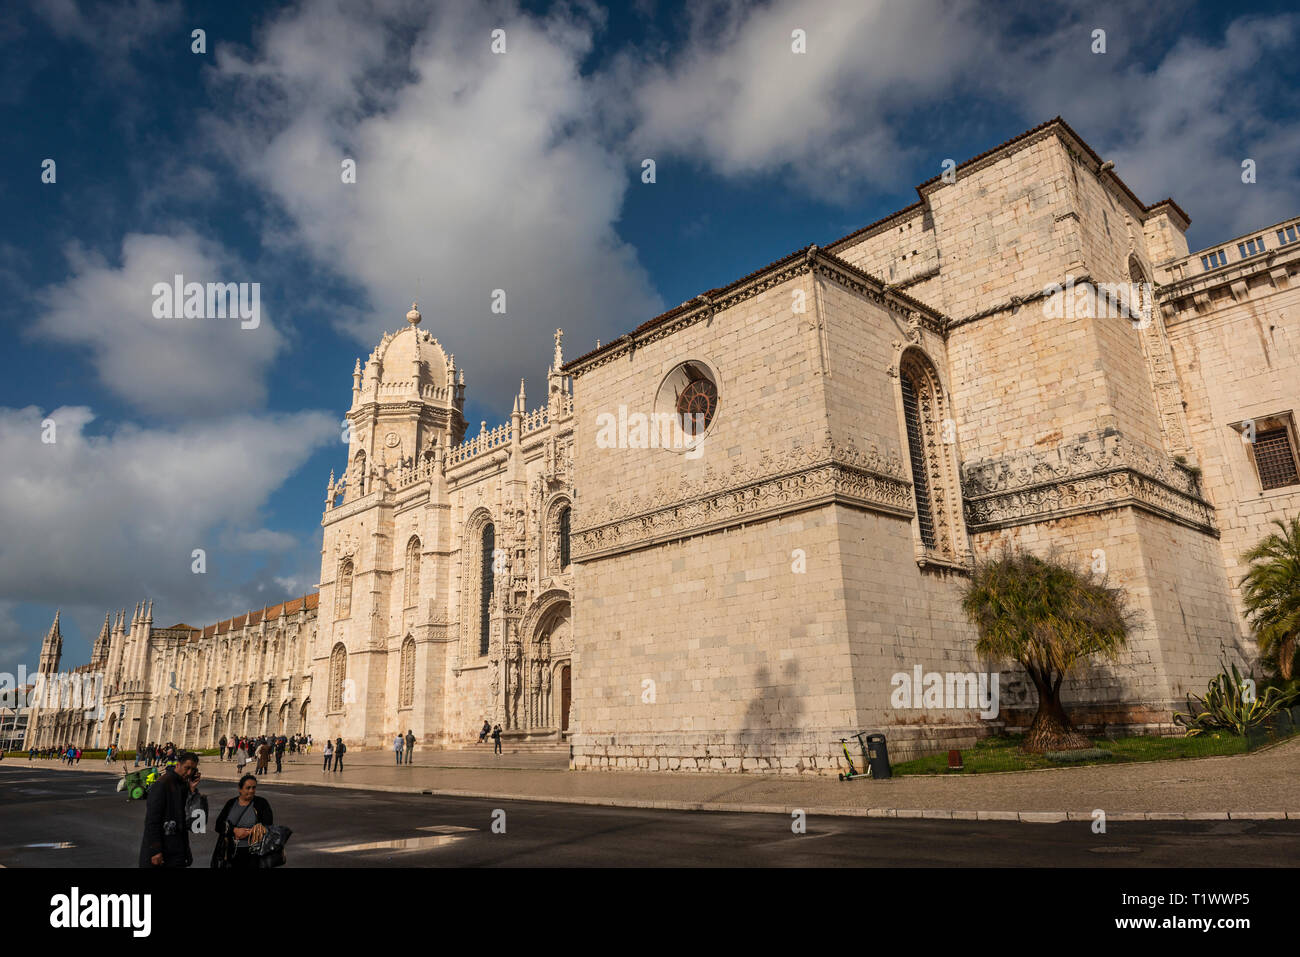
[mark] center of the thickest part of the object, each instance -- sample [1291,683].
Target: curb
[1023,817]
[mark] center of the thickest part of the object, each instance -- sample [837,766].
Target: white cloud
[93,521]
[885,82]
[167,367]
[739,97]
[1192,117]
[475,172]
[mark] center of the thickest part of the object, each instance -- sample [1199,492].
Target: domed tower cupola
[405,400]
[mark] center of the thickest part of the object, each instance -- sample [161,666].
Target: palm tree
[1271,593]
[1048,617]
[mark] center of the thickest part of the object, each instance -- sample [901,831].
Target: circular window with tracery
[688,398]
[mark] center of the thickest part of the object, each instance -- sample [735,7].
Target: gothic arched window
[916,452]
[929,437]
[338,676]
[486,582]
[343,590]
[412,571]
[406,693]
[564,536]
[357,483]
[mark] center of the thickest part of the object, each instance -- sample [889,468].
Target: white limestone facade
[717,539]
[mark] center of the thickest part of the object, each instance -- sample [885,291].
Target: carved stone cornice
[830,472]
[352,508]
[810,260]
[1097,471]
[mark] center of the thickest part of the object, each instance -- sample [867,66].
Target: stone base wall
[821,754]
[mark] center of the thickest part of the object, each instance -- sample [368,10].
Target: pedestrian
[339,750]
[483,734]
[77,752]
[279,753]
[222,745]
[329,754]
[410,745]
[242,823]
[241,756]
[398,743]
[263,756]
[166,841]
[496,740]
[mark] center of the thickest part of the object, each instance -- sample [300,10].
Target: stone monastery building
[1027,354]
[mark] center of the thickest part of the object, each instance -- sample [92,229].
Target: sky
[137,149]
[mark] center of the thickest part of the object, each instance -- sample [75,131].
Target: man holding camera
[172,801]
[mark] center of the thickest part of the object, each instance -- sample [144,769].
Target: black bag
[270,851]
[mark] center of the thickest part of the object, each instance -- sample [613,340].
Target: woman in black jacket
[241,822]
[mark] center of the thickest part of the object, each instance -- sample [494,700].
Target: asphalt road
[60,819]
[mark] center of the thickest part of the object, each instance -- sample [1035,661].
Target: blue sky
[478,171]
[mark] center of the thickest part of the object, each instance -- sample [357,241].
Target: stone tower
[51,648]
[407,410]
[99,653]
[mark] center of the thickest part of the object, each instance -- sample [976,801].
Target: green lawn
[1004,754]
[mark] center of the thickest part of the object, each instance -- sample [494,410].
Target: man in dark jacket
[172,798]
[279,752]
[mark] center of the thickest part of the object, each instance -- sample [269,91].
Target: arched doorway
[536,705]
[566,696]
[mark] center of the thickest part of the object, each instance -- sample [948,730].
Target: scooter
[853,770]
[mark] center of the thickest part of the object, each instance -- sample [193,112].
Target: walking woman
[242,822]
[329,754]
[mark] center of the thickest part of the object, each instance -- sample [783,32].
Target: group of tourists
[154,755]
[495,732]
[404,746]
[243,750]
[68,754]
[334,751]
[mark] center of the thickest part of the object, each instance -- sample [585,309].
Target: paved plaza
[1258,784]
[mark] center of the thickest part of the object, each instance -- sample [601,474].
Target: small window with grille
[1274,452]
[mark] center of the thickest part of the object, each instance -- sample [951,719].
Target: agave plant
[1230,704]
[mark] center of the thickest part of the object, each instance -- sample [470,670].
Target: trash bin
[878,756]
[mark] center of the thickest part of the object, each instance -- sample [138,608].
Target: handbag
[270,850]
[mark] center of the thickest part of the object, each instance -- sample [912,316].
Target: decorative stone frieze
[1097,471]
[772,485]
